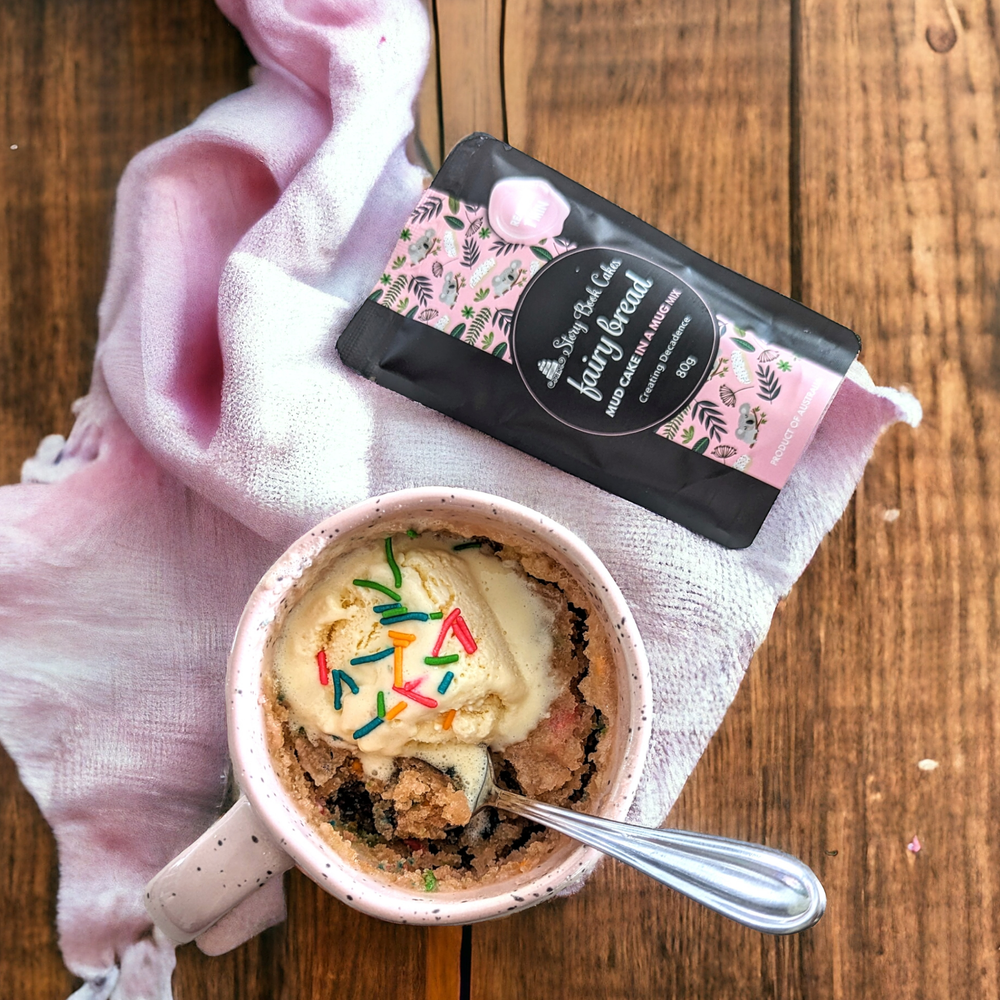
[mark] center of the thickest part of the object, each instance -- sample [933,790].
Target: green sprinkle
[430,881]
[441,661]
[381,704]
[446,681]
[412,533]
[436,614]
[372,657]
[382,608]
[397,576]
[378,586]
[466,545]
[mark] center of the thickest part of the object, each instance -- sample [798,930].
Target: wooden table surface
[845,153]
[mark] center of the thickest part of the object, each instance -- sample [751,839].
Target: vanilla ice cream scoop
[418,642]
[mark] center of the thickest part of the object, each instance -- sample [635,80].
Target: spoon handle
[754,885]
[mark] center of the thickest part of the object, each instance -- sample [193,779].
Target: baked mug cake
[424,623]
[428,640]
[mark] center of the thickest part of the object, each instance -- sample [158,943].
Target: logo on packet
[526,210]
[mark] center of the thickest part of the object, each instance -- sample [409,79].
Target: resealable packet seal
[530,308]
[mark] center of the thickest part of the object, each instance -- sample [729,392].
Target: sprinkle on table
[449,718]
[324,672]
[446,681]
[393,712]
[441,661]
[397,576]
[372,657]
[368,727]
[378,586]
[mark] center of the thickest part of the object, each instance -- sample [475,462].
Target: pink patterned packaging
[528,307]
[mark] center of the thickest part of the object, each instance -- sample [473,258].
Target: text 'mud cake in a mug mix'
[429,640]
[526,306]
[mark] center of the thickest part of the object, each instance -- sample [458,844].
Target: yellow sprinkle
[394,711]
[449,718]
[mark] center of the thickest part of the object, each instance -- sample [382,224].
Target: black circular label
[611,343]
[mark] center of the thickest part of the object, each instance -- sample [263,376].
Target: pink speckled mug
[264,833]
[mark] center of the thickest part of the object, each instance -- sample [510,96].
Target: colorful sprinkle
[445,625]
[449,718]
[409,690]
[411,533]
[378,586]
[372,657]
[367,728]
[464,636]
[466,545]
[436,614]
[337,692]
[412,616]
[402,637]
[393,712]
[381,704]
[324,672]
[397,576]
[430,881]
[382,608]
[446,681]
[349,681]
[441,661]
[397,666]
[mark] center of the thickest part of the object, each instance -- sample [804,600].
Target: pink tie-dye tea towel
[221,424]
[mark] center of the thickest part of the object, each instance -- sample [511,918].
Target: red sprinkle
[463,635]
[408,690]
[445,626]
[324,673]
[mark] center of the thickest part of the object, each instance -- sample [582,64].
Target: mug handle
[233,858]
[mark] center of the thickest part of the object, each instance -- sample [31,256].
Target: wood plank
[680,113]
[900,175]
[468,39]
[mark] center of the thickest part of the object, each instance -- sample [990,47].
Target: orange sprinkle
[449,718]
[397,667]
[394,711]
[404,638]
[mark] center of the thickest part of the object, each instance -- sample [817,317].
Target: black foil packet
[526,306]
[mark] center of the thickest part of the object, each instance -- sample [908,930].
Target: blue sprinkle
[349,681]
[337,691]
[417,616]
[372,657]
[445,682]
[379,608]
[367,728]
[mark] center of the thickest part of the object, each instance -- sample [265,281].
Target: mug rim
[293,830]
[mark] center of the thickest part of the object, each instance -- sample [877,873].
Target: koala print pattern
[419,249]
[504,281]
[449,292]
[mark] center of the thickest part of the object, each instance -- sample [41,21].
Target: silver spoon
[758,886]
